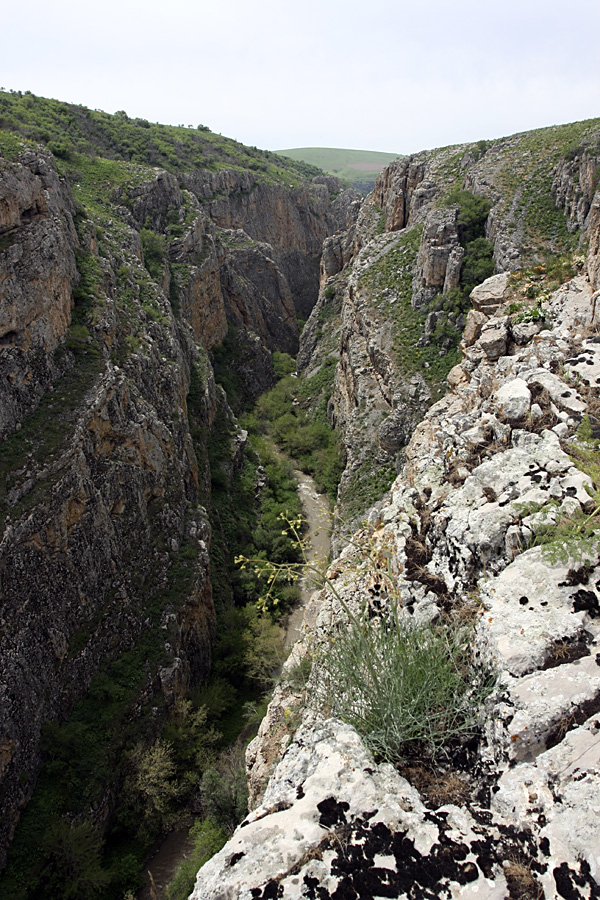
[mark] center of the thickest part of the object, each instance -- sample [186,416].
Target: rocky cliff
[491,465]
[489,523]
[117,279]
[129,253]
[437,224]
[38,275]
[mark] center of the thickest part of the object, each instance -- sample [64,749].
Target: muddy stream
[316,510]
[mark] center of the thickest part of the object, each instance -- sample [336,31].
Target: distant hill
[360,167]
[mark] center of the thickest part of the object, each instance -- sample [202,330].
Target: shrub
[472,214]
[74,870]
[208,838]
[402,685]
[154,249]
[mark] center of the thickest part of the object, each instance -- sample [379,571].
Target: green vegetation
[294,414]
[472,214]
[389,283]
[406,688]
[573,537]
[366,486]
[531,159]
[73,132]
[477,265]
[359,167]
[536,283]
[207,839]
[225,362]
[154,248]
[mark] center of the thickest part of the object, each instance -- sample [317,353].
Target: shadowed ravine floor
[318,536]
[316,510]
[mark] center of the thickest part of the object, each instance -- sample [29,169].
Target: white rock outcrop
[518,815]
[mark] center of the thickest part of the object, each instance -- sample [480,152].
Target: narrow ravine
[317,513]
[316,510]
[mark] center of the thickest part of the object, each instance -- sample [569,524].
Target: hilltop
[359,167]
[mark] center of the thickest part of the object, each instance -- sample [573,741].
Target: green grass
[70,131]
[344,164]
[366,486]
[388,283]
[528,163]
[404,687]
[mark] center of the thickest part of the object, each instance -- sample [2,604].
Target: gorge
[152,281]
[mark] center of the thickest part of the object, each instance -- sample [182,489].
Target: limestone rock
[514,399]
[563,396]
[489,296]
[440,256]
[473,327]
[494,338]
[593,255]
[37,278]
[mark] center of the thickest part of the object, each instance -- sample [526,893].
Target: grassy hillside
[70,131]
[360,167]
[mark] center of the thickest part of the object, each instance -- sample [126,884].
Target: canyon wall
[481,529]
[107,315]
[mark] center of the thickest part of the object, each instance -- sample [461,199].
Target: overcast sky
[392,75]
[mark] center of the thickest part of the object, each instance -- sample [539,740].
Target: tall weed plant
[402,685]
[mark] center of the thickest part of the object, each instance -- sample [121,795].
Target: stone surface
[440,256]
[489,296]
[479,480]
[514,399]
[96,526]
[37,277]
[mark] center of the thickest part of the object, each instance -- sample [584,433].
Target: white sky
[392,75]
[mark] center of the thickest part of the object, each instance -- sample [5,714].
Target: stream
[315,507]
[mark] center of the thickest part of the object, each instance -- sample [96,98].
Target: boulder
[489,296]
[513,399]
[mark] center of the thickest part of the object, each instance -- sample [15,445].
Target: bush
[472,214]
[208,838]
[154,250]
[402,685]
[74,870]
[223,790]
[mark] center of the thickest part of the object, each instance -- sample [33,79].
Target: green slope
[71,132]
[360,167]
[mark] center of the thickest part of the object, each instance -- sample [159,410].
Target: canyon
[458,405]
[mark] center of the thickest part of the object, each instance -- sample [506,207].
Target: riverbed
[316,509]
[317,513]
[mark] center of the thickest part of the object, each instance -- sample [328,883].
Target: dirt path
[318,535]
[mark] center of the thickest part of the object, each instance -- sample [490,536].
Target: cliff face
[487,470]
[106,317]
[498,467]
[119,277]
[293,221]
[37,242]
[101,485]
[399,266]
